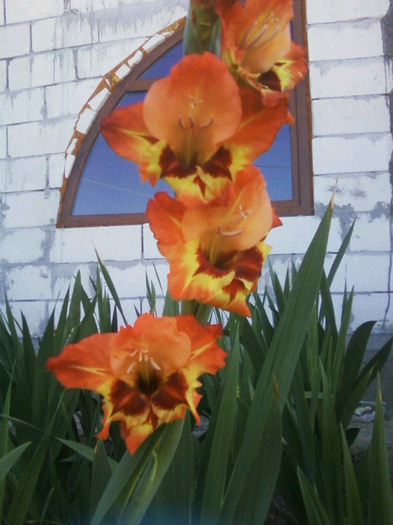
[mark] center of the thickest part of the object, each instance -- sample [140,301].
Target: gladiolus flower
[146,374]
[192,130]
[257,46]
[215,251]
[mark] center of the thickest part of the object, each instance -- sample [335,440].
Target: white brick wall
[52,55]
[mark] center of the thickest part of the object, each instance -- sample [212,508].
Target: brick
[1,13]
[364,192]
[371,234]
[138,21]
[39,138]
[129,282]
[3,75]
[3,143]
[365,272]
[22,246]
[86,6]
[68,31]
[64,66]
[73,96]
[24,106]
[14,40]
[28,72]
[369,307]
[338,116]
[337,10]
[28,283]
[30,209]
[345,40]
[157,275]
[98,60]
[351,154]
[23,175]
[296,233]
[150,250]
[129,306]
[56,170]
[34,313]
[347,78]
[25,10]
[120,243]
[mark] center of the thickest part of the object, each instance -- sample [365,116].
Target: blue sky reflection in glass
[112,185]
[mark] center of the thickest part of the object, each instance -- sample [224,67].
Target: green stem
[200,311]
[189,307]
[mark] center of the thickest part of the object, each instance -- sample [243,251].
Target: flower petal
[126,133]
[192,118]
[85,364]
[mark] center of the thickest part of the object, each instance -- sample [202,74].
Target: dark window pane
[276,166]
[161,67]
[110,184]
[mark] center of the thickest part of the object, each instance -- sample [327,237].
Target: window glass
[112,185]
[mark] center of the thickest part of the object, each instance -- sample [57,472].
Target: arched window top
[103,189]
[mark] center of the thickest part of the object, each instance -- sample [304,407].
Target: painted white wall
[52,56]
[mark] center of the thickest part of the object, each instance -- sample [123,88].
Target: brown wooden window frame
[300,132]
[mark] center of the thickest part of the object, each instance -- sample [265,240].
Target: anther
[244,213]
[203,126]
[155,364]
[181,123]
[231,234]
[191,121]
[129,369]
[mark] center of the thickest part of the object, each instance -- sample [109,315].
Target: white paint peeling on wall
[51,61]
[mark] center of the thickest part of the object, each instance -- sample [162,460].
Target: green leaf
[125,477]
[281,359]
[172,502]
[111,287]
[153,475]
[352,496]
[27,485]
[87,452]
[8,461]
[381,498]
[340,254]
[222,426]
[100,475]
[264,470]
[315,508]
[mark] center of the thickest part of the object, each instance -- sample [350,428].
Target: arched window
[104,189]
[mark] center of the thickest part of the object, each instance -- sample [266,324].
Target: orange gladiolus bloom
[146,374]
[215,251]
[195,129]
[257,46]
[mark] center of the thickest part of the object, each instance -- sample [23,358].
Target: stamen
[191,121]
[154,364]
[258,37]
[181,123]
[129,369]
[244,213]
[264,41]
[246,34]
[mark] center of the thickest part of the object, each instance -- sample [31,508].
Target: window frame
[300,132]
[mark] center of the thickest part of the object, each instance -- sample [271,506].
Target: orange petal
[126,133]
[187,113]
[85,364]
[260,124]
